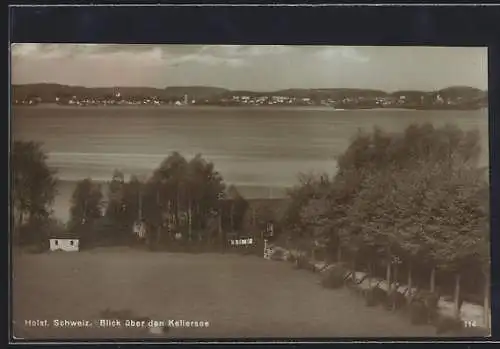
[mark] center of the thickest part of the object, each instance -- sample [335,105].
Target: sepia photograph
[258,192]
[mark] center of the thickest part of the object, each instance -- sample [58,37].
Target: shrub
[333,277]
[370,298]
[301,262]
[277,255]
[292,258]
[375,296]
[446,324]
[418,313]
[395,300]
[429,301]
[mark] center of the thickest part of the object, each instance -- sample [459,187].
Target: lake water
[261,150]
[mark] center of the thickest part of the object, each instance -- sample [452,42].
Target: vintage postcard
[217,191]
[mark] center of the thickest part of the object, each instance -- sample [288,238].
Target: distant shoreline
[262,107]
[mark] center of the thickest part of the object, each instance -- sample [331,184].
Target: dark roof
[65,235]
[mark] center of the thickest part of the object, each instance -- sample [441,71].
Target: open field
[240,296]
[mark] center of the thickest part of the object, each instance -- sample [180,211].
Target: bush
[446,324]
[301,262]
[292,258]
[395,300]
[375,296]
[429,301]
[418,313]
[370,298]
[278,255]
[333,277]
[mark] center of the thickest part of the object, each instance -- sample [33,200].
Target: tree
[310,187]
[418,195]
[205,185]
[116,212]
[33,184]
[133,192]
[86,210]
[184,193]
[237,208]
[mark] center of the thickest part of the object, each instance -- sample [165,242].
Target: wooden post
[457,295]
[433,279]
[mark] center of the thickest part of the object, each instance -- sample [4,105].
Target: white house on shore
[66,243]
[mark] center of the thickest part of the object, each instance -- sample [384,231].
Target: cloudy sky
[259,68]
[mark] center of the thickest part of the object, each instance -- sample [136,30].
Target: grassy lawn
[240,296]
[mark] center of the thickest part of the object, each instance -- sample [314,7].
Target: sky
[256,68]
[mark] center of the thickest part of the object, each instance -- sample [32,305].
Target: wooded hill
[48,92]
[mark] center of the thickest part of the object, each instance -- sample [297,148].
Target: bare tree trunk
[177,203]
[370,273]
[486,304]
[231,216]
[140,204]
[253,217]
[394,288]
[410,283]
[158,229]
[189,219]
[457,296]
[396,270]
[433,279]
[353,267]
[219,222]
[17,228]
[388,273]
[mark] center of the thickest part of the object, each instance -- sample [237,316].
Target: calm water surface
[260,149]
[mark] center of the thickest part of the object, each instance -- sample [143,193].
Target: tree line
[412,207]
[182,200]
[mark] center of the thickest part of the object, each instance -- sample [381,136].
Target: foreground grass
[241,296]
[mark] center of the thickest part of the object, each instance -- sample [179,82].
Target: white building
[68,245]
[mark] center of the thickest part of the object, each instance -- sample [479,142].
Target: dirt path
[240,296]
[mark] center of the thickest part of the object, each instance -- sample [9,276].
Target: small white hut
[67,244]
